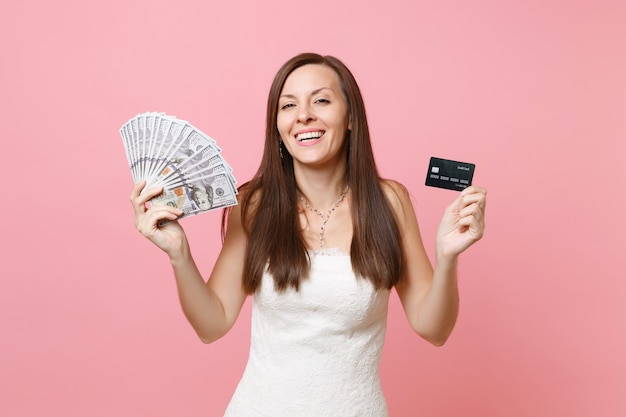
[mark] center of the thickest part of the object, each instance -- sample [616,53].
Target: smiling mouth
[309,136]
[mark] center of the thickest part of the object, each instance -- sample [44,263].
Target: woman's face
[313,116]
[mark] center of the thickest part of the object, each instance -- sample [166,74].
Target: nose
[305,113]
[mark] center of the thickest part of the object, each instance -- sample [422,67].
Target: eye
[287,106]
[322,101]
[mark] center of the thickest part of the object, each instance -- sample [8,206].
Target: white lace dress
[315,352]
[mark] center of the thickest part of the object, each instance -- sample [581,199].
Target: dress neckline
[328,252]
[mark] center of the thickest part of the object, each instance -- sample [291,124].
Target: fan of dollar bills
[171,153]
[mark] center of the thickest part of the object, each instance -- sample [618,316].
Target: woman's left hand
[463,223]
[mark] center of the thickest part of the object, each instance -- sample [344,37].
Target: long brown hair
[269,204]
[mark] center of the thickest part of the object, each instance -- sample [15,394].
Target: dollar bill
[195,197]
[171,153]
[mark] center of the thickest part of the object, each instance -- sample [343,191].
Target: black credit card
[452,175]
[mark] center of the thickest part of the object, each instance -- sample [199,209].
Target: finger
[474,189]
[165,208]
[148,223]
[138,206]
[137,190]
[139,201]
[150,193]
[456,206]
[473,210]
[471,224]
[475,196]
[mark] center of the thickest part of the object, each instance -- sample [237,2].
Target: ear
[350,123]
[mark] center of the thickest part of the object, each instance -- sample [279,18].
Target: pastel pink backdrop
[532,92]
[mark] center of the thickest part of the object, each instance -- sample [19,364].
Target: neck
[325,216]
[322,197]
[321,192]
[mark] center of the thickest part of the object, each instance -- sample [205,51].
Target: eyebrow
[314,92]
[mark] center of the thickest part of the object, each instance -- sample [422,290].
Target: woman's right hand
[169,237]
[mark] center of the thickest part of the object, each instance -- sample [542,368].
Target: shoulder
[397,195]
[400,202]
[393,189]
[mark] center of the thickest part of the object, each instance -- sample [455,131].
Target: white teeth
[309,135]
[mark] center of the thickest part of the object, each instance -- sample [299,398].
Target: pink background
[532,92]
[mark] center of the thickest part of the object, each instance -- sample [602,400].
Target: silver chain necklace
[324,217]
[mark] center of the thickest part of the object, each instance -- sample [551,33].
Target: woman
[319,240]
